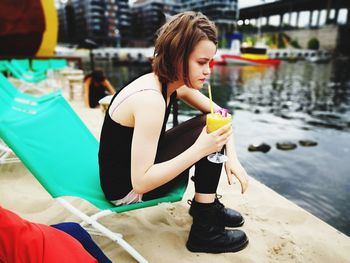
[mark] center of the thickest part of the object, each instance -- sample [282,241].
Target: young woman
[96,86]
[140,161]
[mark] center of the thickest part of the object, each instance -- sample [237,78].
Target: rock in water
[263,147]
[286,146]
[307,143]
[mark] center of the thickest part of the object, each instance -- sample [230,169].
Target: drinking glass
[216,121]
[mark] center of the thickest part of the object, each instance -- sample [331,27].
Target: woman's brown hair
[175,42]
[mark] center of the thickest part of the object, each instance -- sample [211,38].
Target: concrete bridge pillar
[267,20]
[336,16]
[297,19]
[281,20]
[310,17]
[329,2]
[318,18]
[290,18]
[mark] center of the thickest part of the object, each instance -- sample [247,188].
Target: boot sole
[238,225]
[217,250]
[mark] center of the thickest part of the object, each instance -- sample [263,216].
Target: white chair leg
[113,236]
[5,152]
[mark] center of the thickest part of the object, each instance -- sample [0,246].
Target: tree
[313,44]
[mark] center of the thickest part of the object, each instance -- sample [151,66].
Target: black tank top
[115,153]
[96,92]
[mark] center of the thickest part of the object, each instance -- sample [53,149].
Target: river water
[292,102]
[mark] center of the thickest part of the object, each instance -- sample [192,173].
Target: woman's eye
[202,63]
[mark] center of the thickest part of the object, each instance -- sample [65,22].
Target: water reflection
[315,93]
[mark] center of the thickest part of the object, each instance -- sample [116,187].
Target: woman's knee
[200,120]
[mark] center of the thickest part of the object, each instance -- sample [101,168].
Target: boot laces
[217,201]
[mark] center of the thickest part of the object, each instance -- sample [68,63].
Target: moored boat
[234,59]
[250,56]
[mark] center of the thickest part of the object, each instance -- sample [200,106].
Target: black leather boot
[208,236]
[225,216]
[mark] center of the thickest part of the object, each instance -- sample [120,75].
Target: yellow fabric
[49,40]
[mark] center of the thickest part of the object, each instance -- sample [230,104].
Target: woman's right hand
[214,141]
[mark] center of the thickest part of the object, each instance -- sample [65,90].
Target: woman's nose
[207,70]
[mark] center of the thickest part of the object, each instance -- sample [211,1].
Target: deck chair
[61,153]
[12,97]
[3,67]
[9,94]
[18,71]
[57,64]
[40,65]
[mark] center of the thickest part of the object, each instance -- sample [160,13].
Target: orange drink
[216,121]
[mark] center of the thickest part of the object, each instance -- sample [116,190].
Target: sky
[246,3]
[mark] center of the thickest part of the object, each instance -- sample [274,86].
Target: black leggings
[174,142]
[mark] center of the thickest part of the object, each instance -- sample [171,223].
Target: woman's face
[198,66]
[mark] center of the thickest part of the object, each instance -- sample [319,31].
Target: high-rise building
[106,22]
[219,11]
[115,23]
[224,13]
[123,16]
[149,15]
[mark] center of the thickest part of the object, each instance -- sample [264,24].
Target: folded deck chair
[61,153]
[57,63]
[22,74]
[3,67]
[40,65]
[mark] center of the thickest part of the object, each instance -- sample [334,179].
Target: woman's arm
[233,166]
[195,99]
[148,120]
[86,92]
[109,87]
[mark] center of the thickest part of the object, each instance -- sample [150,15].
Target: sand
[278,230]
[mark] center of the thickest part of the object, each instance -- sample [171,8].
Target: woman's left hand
[234,168]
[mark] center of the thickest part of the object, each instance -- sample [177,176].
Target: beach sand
[278,230]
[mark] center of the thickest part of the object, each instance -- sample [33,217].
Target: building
[224,13]
[115,23]
[106,22]
[123,17]
[149,15]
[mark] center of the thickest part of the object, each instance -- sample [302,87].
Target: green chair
[21,63]
[40,65]
[3,67]
[20,71]
[11,97]
[61,153]
[57,63]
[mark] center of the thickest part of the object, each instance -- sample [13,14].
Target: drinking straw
[211,99]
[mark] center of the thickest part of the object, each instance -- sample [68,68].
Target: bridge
[333,36]
[287,7]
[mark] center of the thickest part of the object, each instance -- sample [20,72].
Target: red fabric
[23,241]
[22,25]
[21,17]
